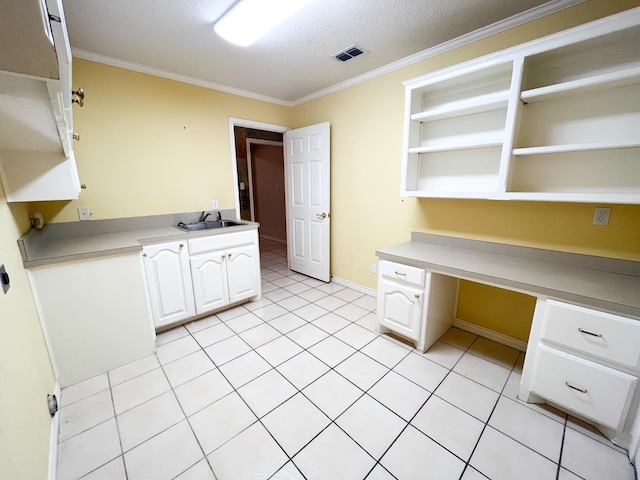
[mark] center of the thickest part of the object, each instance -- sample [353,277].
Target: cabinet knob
[83,186]
[76,136]
[182,245]
[77,96]
[417,296]
[144,254]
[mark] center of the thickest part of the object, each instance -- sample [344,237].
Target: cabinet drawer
[221,241]
[606,336]
[402,272]
[597,392]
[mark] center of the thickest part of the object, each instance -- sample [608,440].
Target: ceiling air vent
[349,53]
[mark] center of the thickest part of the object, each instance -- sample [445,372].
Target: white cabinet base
[202,275]
[96,313]
[415,304]
[572,370]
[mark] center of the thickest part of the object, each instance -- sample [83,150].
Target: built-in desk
[583,352]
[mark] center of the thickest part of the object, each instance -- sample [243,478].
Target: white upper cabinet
[36,151]
[556,119]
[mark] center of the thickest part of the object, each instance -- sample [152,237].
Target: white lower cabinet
[169,282]
[400,299]
[242,274]
[222,270]
[595,391]
[585,361]
[224,277]
[415,303]
[400,308]
[209,276]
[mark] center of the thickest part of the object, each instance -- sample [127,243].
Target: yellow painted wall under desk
[151,145]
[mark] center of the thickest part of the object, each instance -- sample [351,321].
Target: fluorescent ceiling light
[248,20]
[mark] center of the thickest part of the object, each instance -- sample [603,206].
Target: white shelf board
[616,79]
[576,147]
[460,145]
[624,198]
[457,194]
[468,106]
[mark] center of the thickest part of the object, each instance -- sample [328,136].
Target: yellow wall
[149,145]
[26,376]
[367,211]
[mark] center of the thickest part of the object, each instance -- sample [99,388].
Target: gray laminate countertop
[605,283]
[66,242]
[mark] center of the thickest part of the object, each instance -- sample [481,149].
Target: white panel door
[307,176]
[209,274]
[169,280]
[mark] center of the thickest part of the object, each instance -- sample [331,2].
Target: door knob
[321,216]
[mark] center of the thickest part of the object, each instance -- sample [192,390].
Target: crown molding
[514,21]
[137,67]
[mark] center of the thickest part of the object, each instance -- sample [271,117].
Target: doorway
[255,180]
[265,162]
[306,190]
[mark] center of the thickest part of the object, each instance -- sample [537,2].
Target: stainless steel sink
[192,227]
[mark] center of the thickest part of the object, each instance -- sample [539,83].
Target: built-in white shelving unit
[556,119]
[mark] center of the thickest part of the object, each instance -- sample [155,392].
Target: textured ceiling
[291,62]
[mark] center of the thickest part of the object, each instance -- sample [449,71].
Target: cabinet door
[243,266]
[209,275]
[169,281]
[400,308]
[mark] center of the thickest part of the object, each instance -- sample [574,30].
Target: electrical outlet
[601,216]
[214,204]
[84,213]
[374,268]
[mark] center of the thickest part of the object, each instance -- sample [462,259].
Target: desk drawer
[606,336]
[597,392]
[405,273]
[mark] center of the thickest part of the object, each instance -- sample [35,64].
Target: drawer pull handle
[581,390]
[400,273]
[589,333]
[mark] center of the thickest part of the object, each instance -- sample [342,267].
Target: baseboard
[354,286]
[53,439]
[490,334]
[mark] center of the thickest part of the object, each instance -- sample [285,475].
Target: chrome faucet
[203,217]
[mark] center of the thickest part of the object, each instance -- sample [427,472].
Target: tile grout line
[273,366]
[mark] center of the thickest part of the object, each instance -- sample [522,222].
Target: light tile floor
[298,385]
